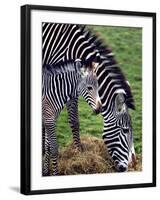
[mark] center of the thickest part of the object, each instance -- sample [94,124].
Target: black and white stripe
[63,42]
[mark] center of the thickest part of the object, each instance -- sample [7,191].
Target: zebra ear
[119,101]
[78,63]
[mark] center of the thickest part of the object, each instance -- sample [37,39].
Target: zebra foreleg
[73,119]
[45,152]
[53,147]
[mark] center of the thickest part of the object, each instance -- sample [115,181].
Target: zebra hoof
[55,173]
[45,173]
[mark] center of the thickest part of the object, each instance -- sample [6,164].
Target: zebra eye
[126,130]
[89,88]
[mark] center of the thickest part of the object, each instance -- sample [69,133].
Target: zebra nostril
[121,168]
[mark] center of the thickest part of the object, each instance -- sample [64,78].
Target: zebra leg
[45,152]
[53,146]
[73,119]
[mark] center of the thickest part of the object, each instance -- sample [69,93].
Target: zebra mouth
[96,112]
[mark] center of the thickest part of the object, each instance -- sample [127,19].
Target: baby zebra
[62,84]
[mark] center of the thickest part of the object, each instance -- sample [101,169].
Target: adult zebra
[62,84]
[116,98]
[62,42]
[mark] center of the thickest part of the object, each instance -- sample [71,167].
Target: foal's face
[89,90]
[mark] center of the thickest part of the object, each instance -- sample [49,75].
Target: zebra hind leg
[73,119]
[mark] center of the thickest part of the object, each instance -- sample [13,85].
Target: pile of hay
[93,158]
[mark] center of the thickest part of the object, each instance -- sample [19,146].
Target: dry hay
[93,158]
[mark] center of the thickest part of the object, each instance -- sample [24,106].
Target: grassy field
[126,43]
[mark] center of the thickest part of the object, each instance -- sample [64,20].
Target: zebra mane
[62,67]
[111,66]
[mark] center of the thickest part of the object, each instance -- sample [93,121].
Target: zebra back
[64,42]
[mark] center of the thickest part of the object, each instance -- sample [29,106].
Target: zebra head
[88,88]
[116,98]
[118,134]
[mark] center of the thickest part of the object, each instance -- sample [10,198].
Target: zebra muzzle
[98,108]
[121,167]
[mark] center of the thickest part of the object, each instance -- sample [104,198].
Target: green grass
[126,43]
